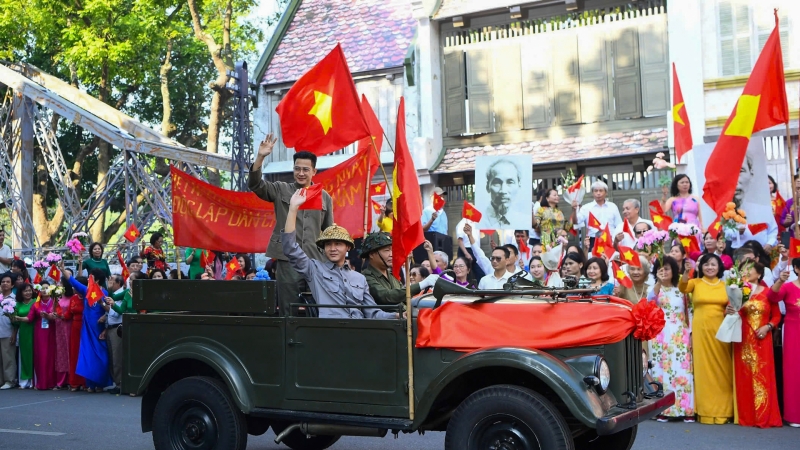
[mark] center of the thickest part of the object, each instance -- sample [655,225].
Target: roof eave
[277,37]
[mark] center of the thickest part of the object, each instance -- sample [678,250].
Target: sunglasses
[496,258]
[638,232]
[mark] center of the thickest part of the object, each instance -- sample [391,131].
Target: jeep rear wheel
[298,441]
[506,417]
[197,413]
[617,441]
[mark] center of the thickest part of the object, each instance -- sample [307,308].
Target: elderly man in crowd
[604,211]
[435,221]
[630,214]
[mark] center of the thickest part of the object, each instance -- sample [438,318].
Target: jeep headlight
[603,373]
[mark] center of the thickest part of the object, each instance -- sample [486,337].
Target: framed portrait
[503,191]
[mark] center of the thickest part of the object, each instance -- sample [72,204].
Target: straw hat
[334,233]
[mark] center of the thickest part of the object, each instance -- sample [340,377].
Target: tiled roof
[375,34]
[451,8]
[562,150]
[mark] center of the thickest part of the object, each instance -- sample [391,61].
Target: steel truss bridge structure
[31,102]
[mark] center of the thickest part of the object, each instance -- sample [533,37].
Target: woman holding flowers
[43,318]
[63,332]
[548,218]
[713,365]
[154,254]
[671,350]
[24,335]
[754,366]
[682,205]
[789,293]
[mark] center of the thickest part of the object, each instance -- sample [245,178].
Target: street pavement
[65,420]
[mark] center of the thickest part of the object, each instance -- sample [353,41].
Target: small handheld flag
[376,207]
[470,212]
[756,228]
[54,273]
[233,268]
[132,233]
[660,221]
[593,222]
[628,256]
[794,248]
[125,272]
[94,293]
[206,258]
[438,202]
[715,228]
[377,189]
[313,197]
[621,277]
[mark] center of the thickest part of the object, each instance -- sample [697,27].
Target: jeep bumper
[619,418]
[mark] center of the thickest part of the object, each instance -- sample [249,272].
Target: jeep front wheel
[506,417]
[197,413]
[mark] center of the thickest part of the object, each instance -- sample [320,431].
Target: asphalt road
[64,420]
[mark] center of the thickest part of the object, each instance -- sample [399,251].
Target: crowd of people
[56,339]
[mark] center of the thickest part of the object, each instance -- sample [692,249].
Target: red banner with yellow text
[208,217]
[347,183]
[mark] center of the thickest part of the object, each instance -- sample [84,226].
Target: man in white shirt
[5,253]
[499,275]
[8,362]
[604,211]
[767,238]
[630,212]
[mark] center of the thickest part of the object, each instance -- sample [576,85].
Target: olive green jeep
[216,363]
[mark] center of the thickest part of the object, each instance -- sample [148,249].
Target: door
[360,362]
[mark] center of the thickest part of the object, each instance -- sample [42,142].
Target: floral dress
[671,351]
[550,220]
[156,259]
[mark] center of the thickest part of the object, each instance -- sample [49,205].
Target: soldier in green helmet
[383,286]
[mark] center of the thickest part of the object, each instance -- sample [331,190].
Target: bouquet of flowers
[8,305]
[572,188]
[739,292]
[74,245]
[652,243]
[41,266]
[679,231]
[55,290]
[732,218]
[660,163]
[53,258]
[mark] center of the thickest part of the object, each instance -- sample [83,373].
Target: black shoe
[114,391]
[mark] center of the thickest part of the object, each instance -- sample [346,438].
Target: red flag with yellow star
[470,212]
[321,113]
[593,222]
[661,222]
[377,189]
[206,258]
[603,245]
[233,268]
[794,248]
[628,256]
[715,228]
[377,208]
[94,293]
[680,118]
[313,197]
[125,272]
[762,104]
[407,232]
[132,233]
[690,243]
[438,202]
[621,277]
[756,228]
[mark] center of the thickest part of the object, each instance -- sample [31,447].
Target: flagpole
[791,177]
[409,334]
[380,164]
[367,206]
[178,260]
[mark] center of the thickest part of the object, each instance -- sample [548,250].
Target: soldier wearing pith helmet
[383,286]
[330,280]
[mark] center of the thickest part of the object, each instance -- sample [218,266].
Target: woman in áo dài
[789,293]
[43,319]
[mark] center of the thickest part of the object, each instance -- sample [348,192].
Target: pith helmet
[375,241]
[334,233]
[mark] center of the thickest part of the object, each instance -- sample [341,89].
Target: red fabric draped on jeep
[467,327]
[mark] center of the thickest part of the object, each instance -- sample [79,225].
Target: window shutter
[627,81]
[726,37]
[655,68]
[744,54]
[479,91]
[536,92]
[507,87]
[566,80]
[594,79]
[455,93]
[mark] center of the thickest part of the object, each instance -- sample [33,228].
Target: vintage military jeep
[223,365]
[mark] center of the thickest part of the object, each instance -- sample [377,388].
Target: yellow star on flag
[94,295]
[395,189]
[603,236]
[377,188]
[620,274]
[628,255]
[797,250]
[745,117]
[657,219]
[231,266]
[133,233]
[675,113]
[685,241]
[716,226]
[323,104]
[469,213]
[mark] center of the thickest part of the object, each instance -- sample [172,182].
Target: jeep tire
[507,417]
[617,441]
[298,441]
[197,413]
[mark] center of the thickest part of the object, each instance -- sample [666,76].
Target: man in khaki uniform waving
[310,223]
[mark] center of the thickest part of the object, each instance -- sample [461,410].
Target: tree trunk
[103,161]
[46,229]
[167,127]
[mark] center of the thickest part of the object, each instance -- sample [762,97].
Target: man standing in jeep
[310,222]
